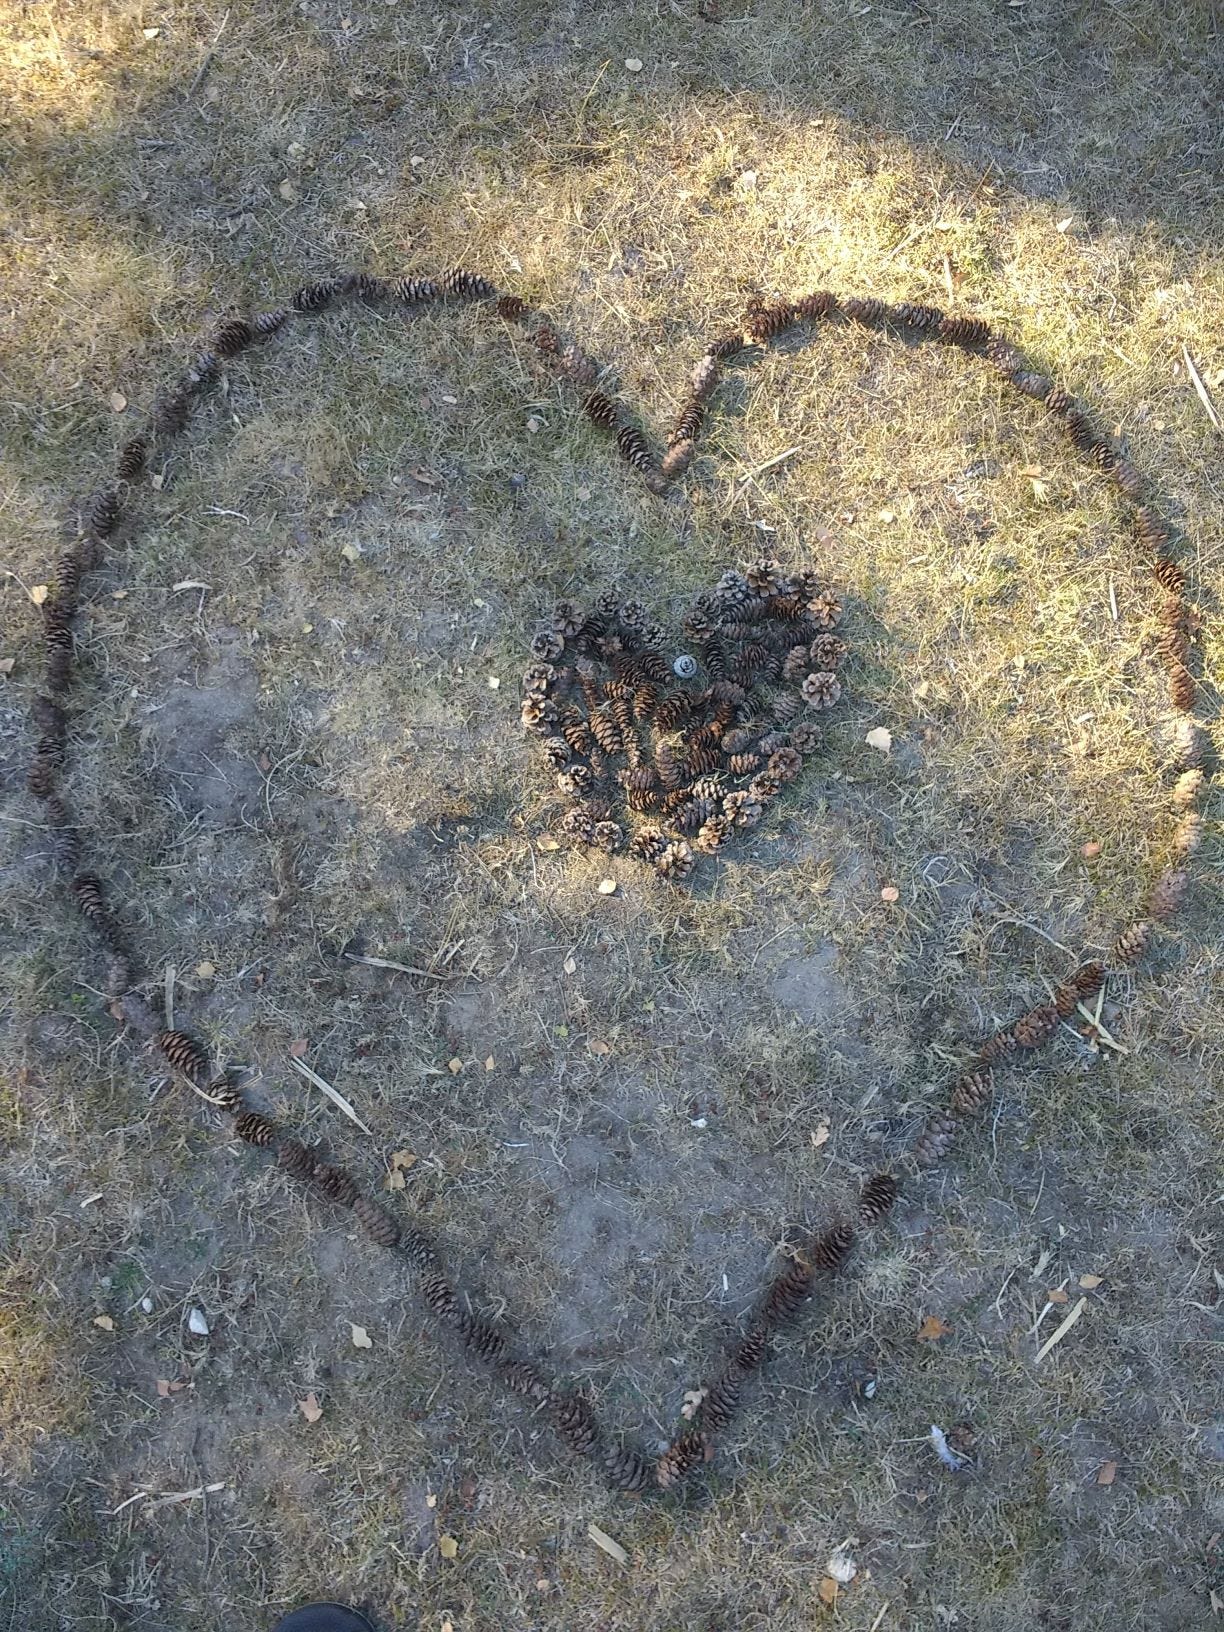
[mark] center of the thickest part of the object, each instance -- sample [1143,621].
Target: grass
[307,757]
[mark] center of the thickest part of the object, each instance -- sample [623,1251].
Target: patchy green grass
[307,755]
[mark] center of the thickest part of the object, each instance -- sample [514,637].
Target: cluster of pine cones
[672,754]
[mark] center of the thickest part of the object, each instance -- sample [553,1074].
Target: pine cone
[414,291]
[704,377]
[679,1460]
[103,513]
[820,690]
[184,1054]
[1188,835]
[1187,788]
[863,309]
[972,1093]
[468,285]
[1166,897]
[688,425]
[556,751]
[675,863]
[296,1159]
[722,1398]
[267,323]
[131,462]
[742,809]
[753,1348]
[829,1250]
[714,833]
[691,816]
[820,303]
[806,736]
[576,780]
[205,370]
[601,411]
[625,1469]
[826,608]
[575,1422]
[744,764]
[964,331]
[1057,400]
[726,345]
[1031,384]
[335,1184]
[233,336]
[764,322]
[827,652]
[118,974]
[41,776]
[649,843]
[677,459]
[364,286]
[537,714]
[1182,690]
[633,447]
[785,764]
[1105,457]
[578,824]
[255,1128]
[1131,944]
[876,1198]
[567,618]
[511,307]
[65,846]
[1152,530]
[482,1337]
[1037,1026]
[994,1048]
[225,1090]
[171,412]
[522,1378]
[438,1296]
[923,318]
[1128,479]
[419,1253]
[1187,745]
[1004,356]
[578,367]
[313,297]
[1088,980]
[764,788]
[609,836]
[1081,430]
[935,1141]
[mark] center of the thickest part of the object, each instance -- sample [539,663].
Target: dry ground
[308,757]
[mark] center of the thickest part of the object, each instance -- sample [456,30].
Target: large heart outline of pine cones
[672,754]
[758,604]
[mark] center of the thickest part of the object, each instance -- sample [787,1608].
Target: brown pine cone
[255,1128]
[41,775]
[1188,835]
[677,459]
[482,1337]
[1037,1026]
[1166,897]
[935,1141]
[1081,430]
[512,307]
[131,462]
[714,834]
[796,663]
[826,608]
[863,309]
[753,1347]
[742,809]
[1032,384]
[806,736]
[675,863]
[704,377]
[649,843]
[744,764]
[297,1159]
[820,690]
[438,1296]
[633,447]
[546,340]
[102,516]
[764,788]
[556,751]
[1187,788]
[827,652]
[722,1398]
[688,425]
[764,322]
[578,824]
[52,719]
[691,816]
[1057,400]
[625,1469]
[829,1250]
[1131,944]
[964,331]
[578,367]
[972,1093]
[335,1184]
[601,411]
[609,836]
[923,318]
[1152,530]
[64,843]
[1004,356]
[520,1377]
[205,370]
[785,764]
[537,713]
[994,1048]
[575,1422]
[171,412]
[1186,749]
[184,1054]
[419,1252]
[118,974]
[225,1090]
[233,336]
[313,297]
[467,285]
[267,323]
[726,345]
[820,303]
[1128,479]
[414,291]
[679,1460]
[1088,979]
[567,618]
[547,645]
[876,1198]
[1182,690]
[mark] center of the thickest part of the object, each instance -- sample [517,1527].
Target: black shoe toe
[324,1618]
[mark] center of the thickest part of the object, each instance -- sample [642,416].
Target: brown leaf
[607,886]
[890,892]
[1089,1283]
[105,1322]
[426,477]
[932,1329]
[454,1066]
[828,1590]
[598,1046]
[6,665]
[310,1407]
[298,1048]
[1091,849]
[448,1546]
[118,402]
[1108,1473]
[403,1158]
[39,593]
[1057,1295]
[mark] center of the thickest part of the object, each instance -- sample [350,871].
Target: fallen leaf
[287,190]
[197,1323]
[395,1180]
[1089,1283]
[601,1538]
[448,1546]
[880,737]
[425,477]
[454,1066]
[842,1568]
[828,1590]
[1108,1473]
[351,551]
[494,683]
[490,1064]
[932,1329]
[1057,1295]
[105,1321]
[634,64]
[692,1403]
[1091,849]
[431,1500]
[310,1407]
[598,1046]
[206,970]
[447,1626]
[361,1338]
[39,594]
[298,1047]
[165,1388]
[607,886]
[570,966]
[819,1136]
[890,892]
[547,842]
[6,665]
[887,515]
[117,401]
[403,1158]
[150,33]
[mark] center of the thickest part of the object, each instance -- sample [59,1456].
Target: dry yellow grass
[307,757]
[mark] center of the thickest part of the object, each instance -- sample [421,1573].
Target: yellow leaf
[395,1179]
[448,1546]
[819,1136]
[828,1590]
[547,842]
[607,886]
[351,551]
[361,1338]
[1089,1283]
[454,1066]
[403,1158]
[932,1329]
[38,594]
[105,1321]
[206,970]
